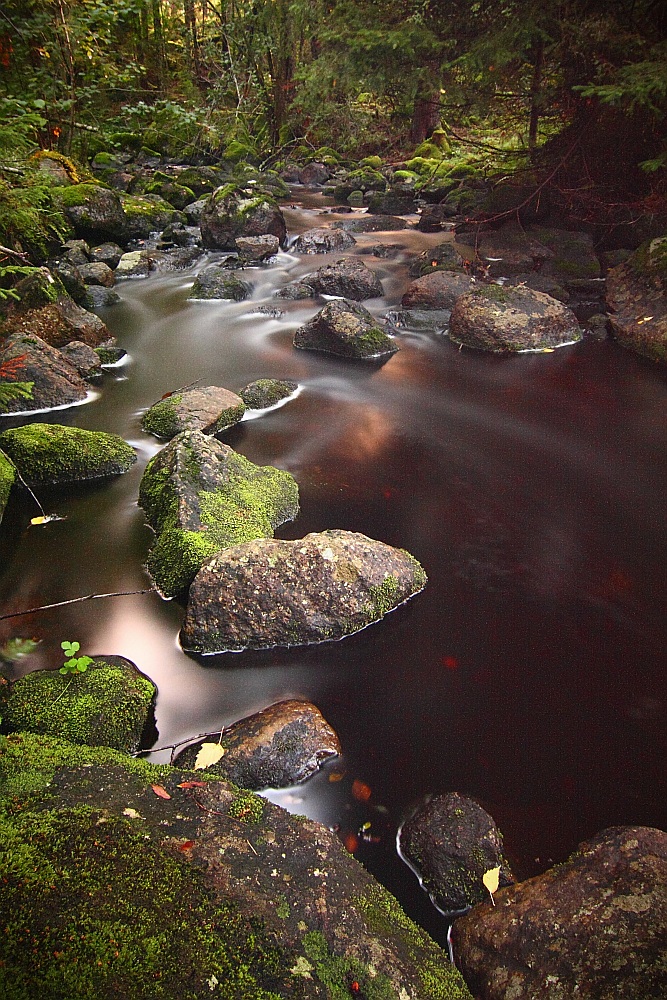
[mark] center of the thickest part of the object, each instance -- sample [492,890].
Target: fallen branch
[77,600]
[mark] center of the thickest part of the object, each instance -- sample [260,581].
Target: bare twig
[77,600]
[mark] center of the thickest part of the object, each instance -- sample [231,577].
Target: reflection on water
[528,673]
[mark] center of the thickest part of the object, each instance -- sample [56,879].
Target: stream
[530,671]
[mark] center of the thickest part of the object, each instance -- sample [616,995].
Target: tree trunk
[426,107]
[158,42]
[535,96]
[192,40]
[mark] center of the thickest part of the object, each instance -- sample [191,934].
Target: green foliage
[74,664]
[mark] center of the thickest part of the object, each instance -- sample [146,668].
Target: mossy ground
[51,453]
[106,706]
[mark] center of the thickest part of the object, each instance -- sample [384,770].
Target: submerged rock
[594,927]
[55,381]
[233,211]
[200,496]
[52,453]
[267,392]
[322,240]
[208,892]
[450,842]
[207,408]
[347,330]
[505,319]
[637,299]
[348,277]
[217,282]
[282,745]
[107,704]
[291,593]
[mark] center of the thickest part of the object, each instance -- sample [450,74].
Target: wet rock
[372,224]
[419,319]
[314,174]
[193,211]
[231,212]
[438,290]
[76,252]
[291,593]
[221,878]
[573,256]
[594,927]
[38,289]
[71,280]
[107,704]
[177,234]
[100,297]
[321,240]
[541,282]
[107,253]
[135,264]
[208,409]
[444,257]
[55,382]
[146,214]
[598,326]
[348,277]
[217,282]
[391,203]
[94,211]
[267,392]
[637,299]
[52,453]
[83,358]
[109,354]
[296,291]
[254,249]
[200,496]
[503,319]
[58,324]
[97,273]
[505,252]
[434,218]
[346,329]
[283,745]
[450,842]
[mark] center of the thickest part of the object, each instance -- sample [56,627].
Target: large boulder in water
[206,408]
[55,381]
[147,881]
[450,841]
[51,453]
[323,240]
[347,330]
[282,745]
[200,496]
[292,593]
[438,289]
[637,298]
[594,928]
[233,211]
[502,320]
[216,281]
[348,277]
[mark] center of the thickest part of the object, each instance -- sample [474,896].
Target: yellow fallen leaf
[209,753]
[548,350]
[491,880]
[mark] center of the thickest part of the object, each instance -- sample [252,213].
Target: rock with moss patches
[437,290]
[7,477]
[393,202]
[207,408]
[450,842]
[107,253]
[506,319]
[282,745]
[267,392]
[93,210]
[55,382]
[41,288]
[348,277]
[323,240]
[347,330]
[444,257]
[84,359]
[637,299]
[372,224]
[232,211]
[200,496]
[594,927]
[216,282]
[108,704]
[52,453]
[146,214]
[291,593]
[221,893]
[71,280]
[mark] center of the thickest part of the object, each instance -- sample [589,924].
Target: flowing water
[529,673]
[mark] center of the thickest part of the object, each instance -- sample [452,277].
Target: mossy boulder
[637,300]
[7,477]
[372,224]
[444,257]
[216,282]
[392,202]
[41,288]
[322,587]
[52,453]
[236,210]
[346,329]
[109,890]
[200,496]
[208,408]
[201,180]
[505,319]
[146,214]
[93,210]
[265,392]
[55,382]
[108,704]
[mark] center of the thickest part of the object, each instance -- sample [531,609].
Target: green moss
[176,558]
[52,453]
[162,418]
[71,169]
[7,477]
[78,194]
[266,392]
[93,909]
[105,706]
[338,973]
[373,341]
[246,807]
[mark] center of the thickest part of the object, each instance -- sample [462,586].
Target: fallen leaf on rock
[192,784]
[209,753]
[161,792]
[491,880]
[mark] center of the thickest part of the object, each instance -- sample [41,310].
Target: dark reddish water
[531,671]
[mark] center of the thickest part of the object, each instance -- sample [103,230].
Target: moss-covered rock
[52,453]
[209,409]
[146,214]
[216,282]
[110,890]
[201,496]
[108,704]
[503,319]
[93,210]
[346,329]
[238,210]
[265,392]
[7,477]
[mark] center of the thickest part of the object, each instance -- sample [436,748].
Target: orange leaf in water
[161,792]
